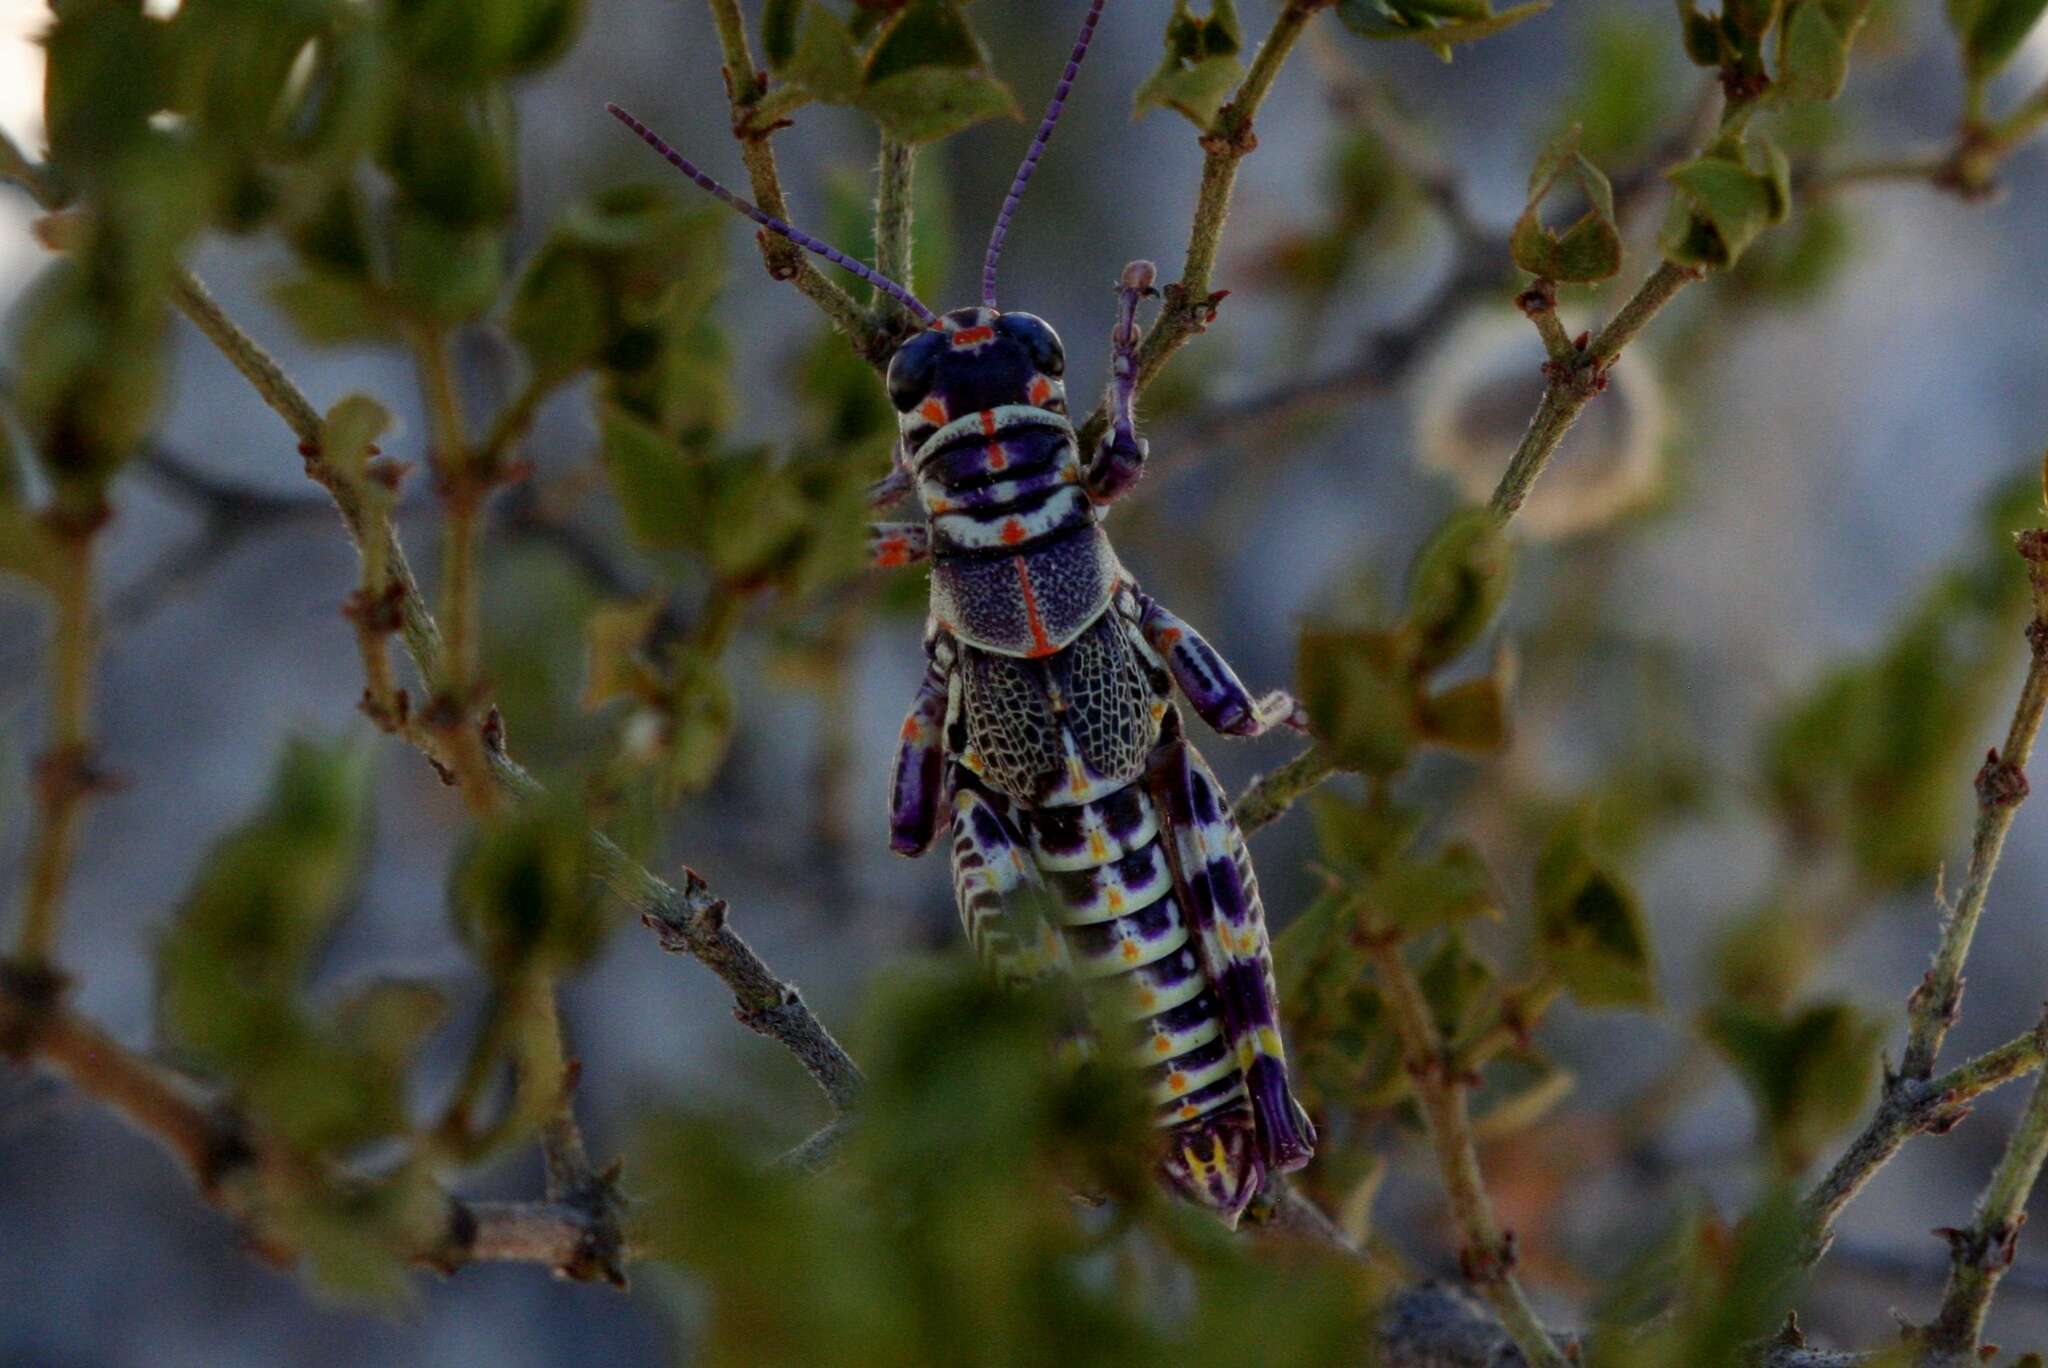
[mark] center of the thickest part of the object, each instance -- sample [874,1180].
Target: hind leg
[1005,907]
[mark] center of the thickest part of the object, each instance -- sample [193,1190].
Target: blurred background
[1796,455]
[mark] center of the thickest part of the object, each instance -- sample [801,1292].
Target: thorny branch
[1487,1257]
[231,1164]
[1980,1255]
[1912,1102]
[747,89]
[2001,788]
[1190,302]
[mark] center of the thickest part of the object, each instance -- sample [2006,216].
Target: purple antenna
[776,225]
[1033,153]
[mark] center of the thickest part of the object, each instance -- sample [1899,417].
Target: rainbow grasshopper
[1089,838]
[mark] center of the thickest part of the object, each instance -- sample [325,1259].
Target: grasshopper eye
[1040,342]
[910,371]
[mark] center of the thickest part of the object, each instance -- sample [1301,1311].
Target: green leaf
[1448,887]
[655,483]
[1813,53]
[824,62]
[1590,929]
[700,715]
[1385,20]
[1996,31]
[1454,981]
[333,311]
[924,33]
[1200,66]
[932,102]
[1587,251]
[1809,1072]
[1456,585]
[615,634]
[348,432]
[1360,696]
[524,896]
[778,31]
[1361,839]
[1724,200]
[448,273]
[1471,716]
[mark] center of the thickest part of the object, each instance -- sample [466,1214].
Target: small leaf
[1724,200]
[1808,1072]
[1458,581]
[1385,20]
[1587,251]
[1441,890]
[824,61]
[523,894]
[1471,716]
[1453,981]
[929,103]
[332,310]
[1200,66]
[778,31]
[655,483]
[348,432]
[1360,697]
[1996,31]
[1589,926]
[615,634]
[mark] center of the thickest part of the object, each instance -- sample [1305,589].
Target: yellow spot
[1158,711]
[1178,1082]
[1114,898]
[1130,950]
[1269,1042]
[1187,1111]
[1162,1045]
[1146,997]
[1097,847]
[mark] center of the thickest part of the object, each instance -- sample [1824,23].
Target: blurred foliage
[1869,758]
[952,1232]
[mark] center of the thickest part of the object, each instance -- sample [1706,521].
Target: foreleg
[1211,686]
[917,789]
[1120,457]
[891,544]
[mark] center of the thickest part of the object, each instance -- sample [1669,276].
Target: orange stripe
[1041,644]
[988,422]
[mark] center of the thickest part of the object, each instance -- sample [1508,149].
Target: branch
[691,920]
[68,773]
[1269,796]
[747,87]
[2001,788]
[1487,1257]
[217,1146]
[1573,385]
[1228,140]
[1980,1255]
[1911,1108]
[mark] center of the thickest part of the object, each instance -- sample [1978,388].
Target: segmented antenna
[776,225]
[1033,153]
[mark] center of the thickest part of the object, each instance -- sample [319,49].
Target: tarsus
[776,225]
[1033,153]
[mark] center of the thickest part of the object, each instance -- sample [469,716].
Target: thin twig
[1911,1108]
[67,773]
[747,87]
[1228,140]
[1488,1253]
[1980,1255]
[691,920]
[2001,788]
[1269,796]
